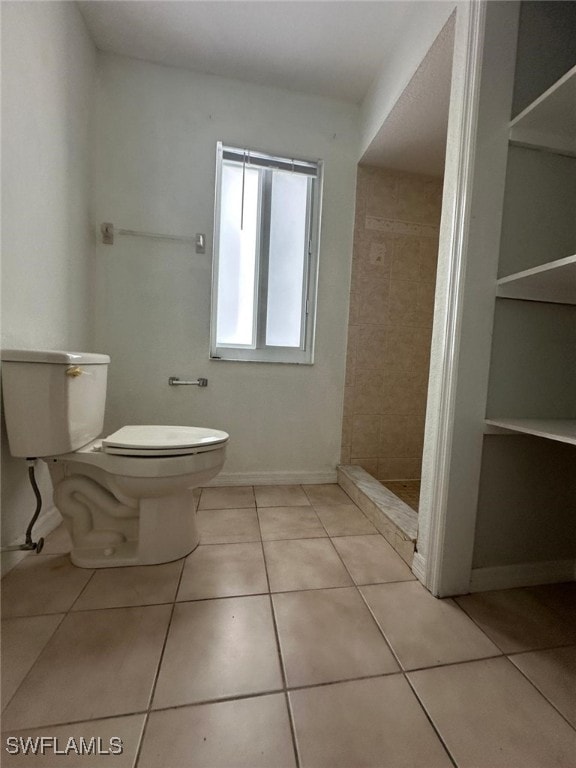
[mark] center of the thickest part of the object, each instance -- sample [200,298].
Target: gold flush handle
[74,371]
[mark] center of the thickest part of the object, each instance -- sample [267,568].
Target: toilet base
[167,531]
[125,555]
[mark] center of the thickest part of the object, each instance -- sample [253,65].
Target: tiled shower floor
[293,635]
[407,490]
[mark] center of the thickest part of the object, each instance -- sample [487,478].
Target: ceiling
[320,47]
[330,48]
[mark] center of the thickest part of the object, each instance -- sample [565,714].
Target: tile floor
[293,636]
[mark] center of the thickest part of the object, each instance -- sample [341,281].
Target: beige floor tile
[237,497]
[521,619]
[553,672]
[375,723]
[425,631]
[228,526]
[22,641]
[490,716]
[97,664]
[289,523]
[280,496]
[560,599]
[219,648]
[371,560]
[249,733]
[224,570]
[58,542]
[345,520]
[138,585]
[42,584]
[304,564]
[327,635]
[326,495]
[128,729]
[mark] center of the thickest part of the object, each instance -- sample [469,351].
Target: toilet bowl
[126,499]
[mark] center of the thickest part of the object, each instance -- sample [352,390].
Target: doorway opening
[398,210]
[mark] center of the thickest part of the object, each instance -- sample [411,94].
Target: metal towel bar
[174,381]
[108,232]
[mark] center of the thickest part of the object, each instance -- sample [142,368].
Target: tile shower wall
[390,323]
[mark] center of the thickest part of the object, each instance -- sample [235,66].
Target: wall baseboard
[522,575]
[45,524]
[419,567]
[274,478]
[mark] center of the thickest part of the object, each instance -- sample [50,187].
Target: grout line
[222,699]
[476,623]
[534,685]
[214,597]
[432,724]
[272,691]
[558,647]
[279,652]
[158,667]
[227,509]
[21,683]
[263,553]
[292,722]
[84,588]
[205,702]
[541,692]
[35,615]
[76,722]
[498,645]
[405,676]
[285,690]
[285,685]
[227,543]
[343,586]
[341,680]
[256,694]
[452,663]
[295,538]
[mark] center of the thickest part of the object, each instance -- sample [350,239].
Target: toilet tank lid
[54,356]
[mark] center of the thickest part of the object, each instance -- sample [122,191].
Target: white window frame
[259,351]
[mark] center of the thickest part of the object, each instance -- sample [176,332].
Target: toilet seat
[154,440]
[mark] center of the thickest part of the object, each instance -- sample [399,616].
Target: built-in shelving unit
[531,343]
[550,121]
[525,513]
[561,430]
[554,282]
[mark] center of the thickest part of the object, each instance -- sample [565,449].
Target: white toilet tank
[53,401]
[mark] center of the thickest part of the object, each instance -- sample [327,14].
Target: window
[266,233]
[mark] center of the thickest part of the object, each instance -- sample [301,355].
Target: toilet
[126,499]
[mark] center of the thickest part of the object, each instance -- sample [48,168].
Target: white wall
[48,69]
[156,134]
[422,26]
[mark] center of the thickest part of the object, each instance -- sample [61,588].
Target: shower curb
[395,520]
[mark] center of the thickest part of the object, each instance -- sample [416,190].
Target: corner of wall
[397,70]
[49,67]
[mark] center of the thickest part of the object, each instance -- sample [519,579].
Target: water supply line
[30,545]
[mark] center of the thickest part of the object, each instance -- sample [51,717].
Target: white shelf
[554,282]
[561,430]
[550,121]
